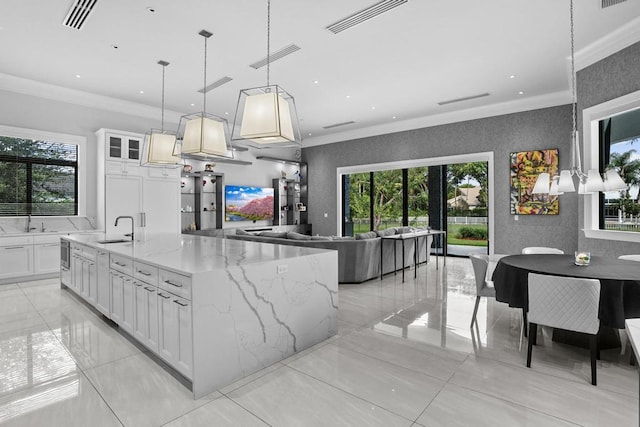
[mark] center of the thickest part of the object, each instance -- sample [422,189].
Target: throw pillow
[297,236]
[276,234]
[387,232]
[365,236]
[342,238]
[320,238]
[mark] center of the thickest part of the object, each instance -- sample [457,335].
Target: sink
[104,242]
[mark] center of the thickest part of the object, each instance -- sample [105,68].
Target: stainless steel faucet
[29,227]
[131,218]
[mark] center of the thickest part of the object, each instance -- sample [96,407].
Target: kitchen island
[215,310]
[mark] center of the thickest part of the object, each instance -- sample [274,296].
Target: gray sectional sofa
[358,257]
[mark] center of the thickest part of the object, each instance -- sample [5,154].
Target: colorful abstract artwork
[524,170]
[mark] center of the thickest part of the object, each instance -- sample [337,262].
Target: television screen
[248,203]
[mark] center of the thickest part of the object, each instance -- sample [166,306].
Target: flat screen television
[243,203]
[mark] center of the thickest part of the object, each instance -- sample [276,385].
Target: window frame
[81,171]
[591,118]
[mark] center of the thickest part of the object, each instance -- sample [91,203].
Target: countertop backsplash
[46,224]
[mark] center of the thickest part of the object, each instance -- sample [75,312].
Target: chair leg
[533,327]
[524,321]
[593,343]
[475,311]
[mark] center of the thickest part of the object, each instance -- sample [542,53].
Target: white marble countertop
[633,331]
[195,254]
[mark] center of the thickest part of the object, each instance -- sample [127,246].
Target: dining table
[619,282]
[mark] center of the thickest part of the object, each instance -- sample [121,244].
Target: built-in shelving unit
[201,200]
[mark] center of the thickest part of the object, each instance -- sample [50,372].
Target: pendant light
[266,116]
[204,135]
[590,182]
[158,145]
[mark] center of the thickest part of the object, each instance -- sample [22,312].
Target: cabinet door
[91,286]
[76,269]
[184,357]
[152,317]
[116,284]
[139,311]
[167,328]
[161,205]
[115,147]
[86,278]
[127,305]
[47,258]
[123,197]
[103,303]
[16,261]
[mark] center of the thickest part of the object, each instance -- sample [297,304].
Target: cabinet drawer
[175,283]
[122,264]
[51,238]
[145,273]
[16,241]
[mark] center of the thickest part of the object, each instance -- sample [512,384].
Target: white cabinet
[89,284]
[126,322]
[116,285]
[46,257]
[145,320]
[175,343]
[103,300]
[126,188]
[124,198]
[16,257]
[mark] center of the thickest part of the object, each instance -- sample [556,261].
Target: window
[38,177]
[612,137]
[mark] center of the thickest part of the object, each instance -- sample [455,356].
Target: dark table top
[619,279]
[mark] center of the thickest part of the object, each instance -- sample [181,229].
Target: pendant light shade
[613,182]
[159,144]
[266,116]
[554,190]
[594,181]
[542,184]
[204,135]
[565,183]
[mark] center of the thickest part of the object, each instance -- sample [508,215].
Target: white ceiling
[402,63]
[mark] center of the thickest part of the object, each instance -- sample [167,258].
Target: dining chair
[541,250]
[483,266]
[630,257]
[567,303]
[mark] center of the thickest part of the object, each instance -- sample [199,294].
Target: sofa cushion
[343,238]
[277,234]
[297,236]
[365,236]
[387,232]
[402,230]
[320,238]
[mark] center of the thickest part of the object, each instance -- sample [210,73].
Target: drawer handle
[120,264]
[180,303]
[164,296]
[146,273]
[149,289]
[50,244]
[14,247]
[137,284]
[169,282]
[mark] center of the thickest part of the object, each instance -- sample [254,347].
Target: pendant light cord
[268,38]
[162,122]
[204,90]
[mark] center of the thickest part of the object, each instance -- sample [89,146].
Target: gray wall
[610,78]
[537,129]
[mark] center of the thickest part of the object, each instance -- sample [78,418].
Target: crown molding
[622,37]
[11,83]
[520,105]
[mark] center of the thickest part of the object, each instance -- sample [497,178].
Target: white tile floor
[404,356]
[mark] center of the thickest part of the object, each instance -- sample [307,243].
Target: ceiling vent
[275,56]
[607,3]
[364,15]
[338,125]
[215,84]
[78,13]
[466,98]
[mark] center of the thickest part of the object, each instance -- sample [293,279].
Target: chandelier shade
[266,116]
[157,149]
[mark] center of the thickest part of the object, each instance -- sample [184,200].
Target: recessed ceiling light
[193,105]
[77,76]
[141,91]
[309,133]
[521,93]
[151,9]
[393,117]
[512,76]
[226,113]
[348,96]
[373,108]
[316,82]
